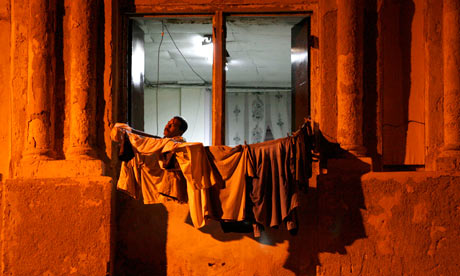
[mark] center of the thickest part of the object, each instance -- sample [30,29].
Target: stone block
[448,161]
[57,226]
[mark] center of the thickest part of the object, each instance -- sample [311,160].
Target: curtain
[257,116]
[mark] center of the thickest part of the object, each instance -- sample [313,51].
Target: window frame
[218,66]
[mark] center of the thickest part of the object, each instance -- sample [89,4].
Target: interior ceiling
[259,50]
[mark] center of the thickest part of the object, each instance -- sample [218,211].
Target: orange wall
[57,226]
[372,224]
[5,89]
[350,224]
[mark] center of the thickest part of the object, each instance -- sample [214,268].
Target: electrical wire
[186,61]
[158,72]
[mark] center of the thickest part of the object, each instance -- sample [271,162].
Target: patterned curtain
[257,116]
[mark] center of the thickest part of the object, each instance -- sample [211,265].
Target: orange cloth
[213,180]
[146,173]
[274,193]
[229,198]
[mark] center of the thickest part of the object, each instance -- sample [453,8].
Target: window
[259,54]
[171,73]
[259,89]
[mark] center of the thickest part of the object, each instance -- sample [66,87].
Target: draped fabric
[233,165]
[149,172]
[273,195]
[256,182]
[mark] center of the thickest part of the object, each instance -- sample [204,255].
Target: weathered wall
[433,82]
[160,240]
[5,105]
[411,223]
[104,108]
[18,80]
[56,213]
[57,226]
[374,224]
[5,88]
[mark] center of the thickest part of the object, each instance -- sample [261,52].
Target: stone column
[349,76]
[83,40]
[450,157]
[41,78]
[451,45]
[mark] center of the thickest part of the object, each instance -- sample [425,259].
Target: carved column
[450,157]
[83,39]
[41,77]
[349,76]
[451,45]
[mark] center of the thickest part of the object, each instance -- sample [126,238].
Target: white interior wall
[150,120]
[193,104]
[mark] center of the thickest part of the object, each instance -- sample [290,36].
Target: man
[175,127]
[152,171]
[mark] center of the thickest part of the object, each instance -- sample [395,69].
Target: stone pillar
[83,40]
[450,157]
[349,76]
[451,45]
[41,79]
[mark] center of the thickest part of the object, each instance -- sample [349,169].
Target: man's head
[175,127]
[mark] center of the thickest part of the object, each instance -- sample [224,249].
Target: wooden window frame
[218,66]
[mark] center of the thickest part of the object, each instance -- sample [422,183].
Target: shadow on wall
[330,214]
[141,237]
[329,220]
[397,44]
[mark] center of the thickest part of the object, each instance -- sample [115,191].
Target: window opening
[171,74]
[265,70]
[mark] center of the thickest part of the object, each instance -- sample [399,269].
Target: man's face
[172,129]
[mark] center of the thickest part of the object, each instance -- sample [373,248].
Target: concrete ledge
[60,168]
[57,226]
